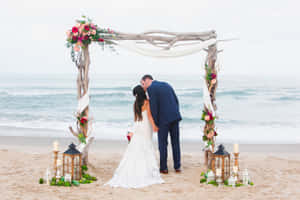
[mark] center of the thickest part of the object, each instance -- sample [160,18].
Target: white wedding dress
[138,167]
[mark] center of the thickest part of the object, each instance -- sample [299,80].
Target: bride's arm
[155,128]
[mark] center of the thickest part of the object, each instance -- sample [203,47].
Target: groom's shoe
[164,171]
[178,170]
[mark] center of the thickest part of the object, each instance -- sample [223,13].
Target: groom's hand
[155,129]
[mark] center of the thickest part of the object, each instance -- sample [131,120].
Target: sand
[274,169]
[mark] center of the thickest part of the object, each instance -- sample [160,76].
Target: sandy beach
[274,170]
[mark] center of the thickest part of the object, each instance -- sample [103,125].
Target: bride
[138,167]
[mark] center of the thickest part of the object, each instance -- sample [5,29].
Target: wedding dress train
[138,167]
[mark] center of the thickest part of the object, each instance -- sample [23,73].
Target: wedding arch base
[154,43]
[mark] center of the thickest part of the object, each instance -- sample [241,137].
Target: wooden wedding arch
[85,32]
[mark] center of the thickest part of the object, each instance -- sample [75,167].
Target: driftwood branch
[162,39]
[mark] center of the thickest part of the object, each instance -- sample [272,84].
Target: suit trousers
[163,132]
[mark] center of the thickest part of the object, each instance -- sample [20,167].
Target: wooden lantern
[72,162]
[221,160]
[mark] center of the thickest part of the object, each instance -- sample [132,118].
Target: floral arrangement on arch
[85,32]
[82,121]
[207,116]
[209,131]
[211,77]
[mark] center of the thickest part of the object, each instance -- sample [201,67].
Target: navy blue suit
[164,107]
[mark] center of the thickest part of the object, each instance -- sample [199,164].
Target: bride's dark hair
[140,97]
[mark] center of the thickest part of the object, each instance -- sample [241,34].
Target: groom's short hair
[147,76]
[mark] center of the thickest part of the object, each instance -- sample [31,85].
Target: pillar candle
[235,169]
[59,163]
[55,146]
[218,172]
[236,148]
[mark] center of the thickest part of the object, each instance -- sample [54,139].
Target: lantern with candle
[221,162]
[231,181]
[72,162]
[210,176]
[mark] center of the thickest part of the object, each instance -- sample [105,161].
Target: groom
[164,107]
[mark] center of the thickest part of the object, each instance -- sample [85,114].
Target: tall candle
[236,148]
[59,163]
[235,169]
[55,146]
[218,172]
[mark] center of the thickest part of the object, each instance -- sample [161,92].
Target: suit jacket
[164,103]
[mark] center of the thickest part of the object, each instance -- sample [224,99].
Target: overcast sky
[33,34]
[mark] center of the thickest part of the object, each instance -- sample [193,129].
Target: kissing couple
[157,113]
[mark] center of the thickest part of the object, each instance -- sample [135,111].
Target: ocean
[251,109]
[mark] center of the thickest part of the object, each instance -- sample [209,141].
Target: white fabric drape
[206,98]
[83,102]
[162,53]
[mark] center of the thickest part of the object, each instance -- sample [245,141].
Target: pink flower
[213,81]
[81,28]
[80,38]
[68,33]
[93,32]
[78,25]
[74,29]
[76,48]
[211,134]
[206,117]
[93,26]
[75,34]
[110,31]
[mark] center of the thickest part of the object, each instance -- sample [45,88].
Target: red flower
[87,27]
[213,75]
[86,37]
[100,40]
[210,116]
[83,120]
[74,29]
[74,38]
[128,138]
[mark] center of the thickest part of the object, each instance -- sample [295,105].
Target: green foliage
[52,183]
[239,185]
[68,184]
[226,182]
[84,168]
[251,183]
[202,174]
[209,143]
[213,183]
[76,183]
[41,181]
[203,180]
[89,177]
[82,138]
[60,183]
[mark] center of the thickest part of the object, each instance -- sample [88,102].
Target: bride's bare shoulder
[146,105]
